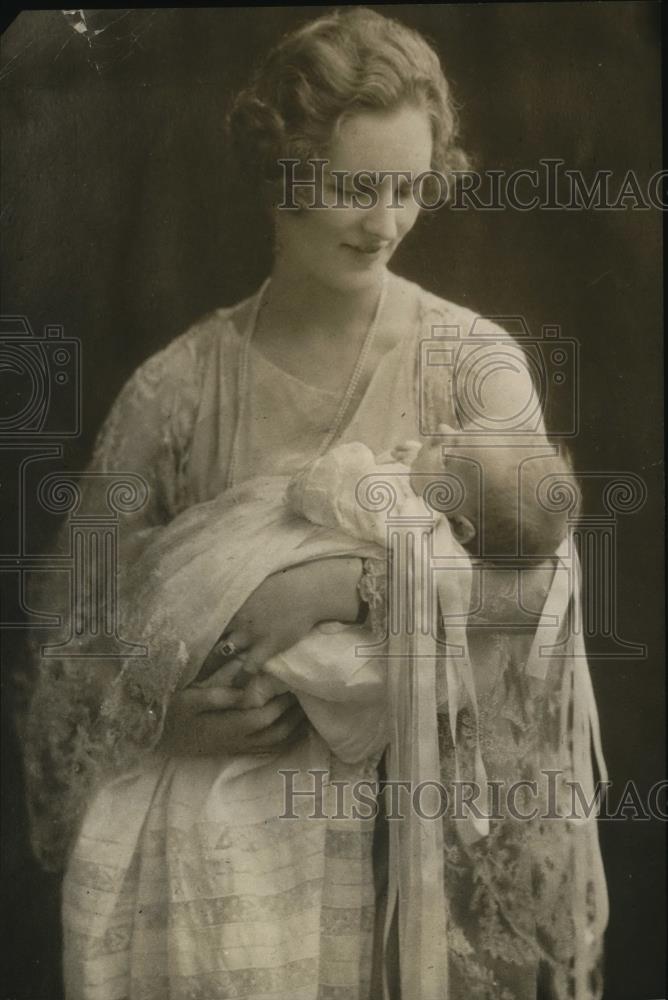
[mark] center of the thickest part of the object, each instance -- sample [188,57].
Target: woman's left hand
[285,607]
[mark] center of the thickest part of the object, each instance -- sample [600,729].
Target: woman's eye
[339,189]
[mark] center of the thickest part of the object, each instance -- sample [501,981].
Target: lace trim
[372,589]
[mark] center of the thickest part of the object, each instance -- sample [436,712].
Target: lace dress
[525,904]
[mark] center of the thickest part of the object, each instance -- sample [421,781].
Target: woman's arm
[492,391]
[288,604]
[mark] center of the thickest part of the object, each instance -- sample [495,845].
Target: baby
[487,492]
[499,513]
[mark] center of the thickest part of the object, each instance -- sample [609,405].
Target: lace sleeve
[373,593]
[70,741]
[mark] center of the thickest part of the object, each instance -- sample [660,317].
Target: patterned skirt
[189,881]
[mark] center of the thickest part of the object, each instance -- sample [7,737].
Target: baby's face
[434,461]
[430,457]
[438,456]
[429,461]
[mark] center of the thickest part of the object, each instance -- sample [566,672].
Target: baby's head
[498,514]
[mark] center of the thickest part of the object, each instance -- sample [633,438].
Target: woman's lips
[367,252]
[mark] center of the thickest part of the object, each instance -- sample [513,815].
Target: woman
[326,351]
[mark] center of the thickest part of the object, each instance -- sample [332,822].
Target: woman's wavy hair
[349,61]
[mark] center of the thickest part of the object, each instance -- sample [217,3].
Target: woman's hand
[285,607]
[204,721]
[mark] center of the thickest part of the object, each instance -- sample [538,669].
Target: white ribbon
[416,878]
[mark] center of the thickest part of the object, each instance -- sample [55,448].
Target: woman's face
[348,247]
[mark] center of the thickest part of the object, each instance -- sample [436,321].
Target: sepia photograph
[332,503]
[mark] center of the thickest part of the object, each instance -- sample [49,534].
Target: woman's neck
[306,306]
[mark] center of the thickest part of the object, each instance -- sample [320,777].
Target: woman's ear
[462,528]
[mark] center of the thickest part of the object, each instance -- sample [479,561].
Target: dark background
[121,223]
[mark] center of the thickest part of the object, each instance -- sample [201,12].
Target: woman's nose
[380,221]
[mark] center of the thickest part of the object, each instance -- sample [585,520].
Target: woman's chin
[351,280]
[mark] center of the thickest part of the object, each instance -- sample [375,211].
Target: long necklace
[243,370]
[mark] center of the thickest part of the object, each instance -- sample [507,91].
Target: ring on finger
[228,648]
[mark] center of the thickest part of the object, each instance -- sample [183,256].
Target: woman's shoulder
[444,327]
[452,320]
[185,358]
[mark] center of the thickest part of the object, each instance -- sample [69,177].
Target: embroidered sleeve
[71,740]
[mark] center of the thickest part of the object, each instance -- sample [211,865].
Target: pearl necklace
[244,364]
